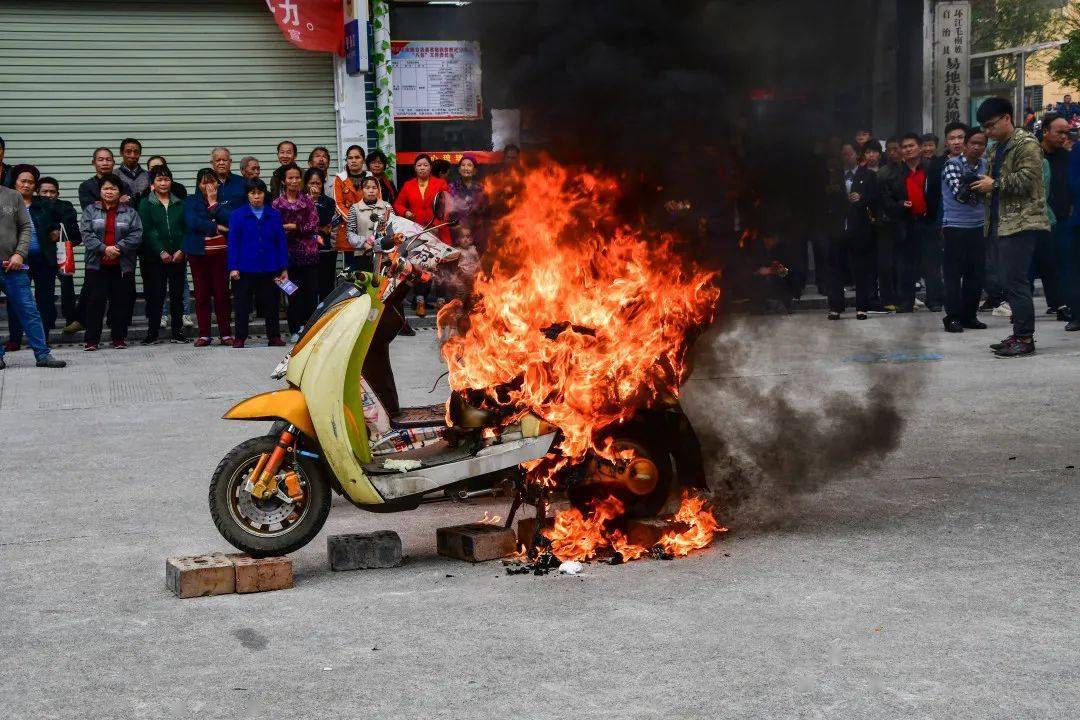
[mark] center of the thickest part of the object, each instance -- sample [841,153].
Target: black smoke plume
[775,426]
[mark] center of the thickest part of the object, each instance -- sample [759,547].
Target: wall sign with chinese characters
[952,76]
[436,80]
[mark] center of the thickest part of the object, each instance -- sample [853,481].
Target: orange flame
[703,526]
[490,519]
[581,320]
[576,536]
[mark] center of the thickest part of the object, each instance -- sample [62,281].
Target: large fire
[583,319]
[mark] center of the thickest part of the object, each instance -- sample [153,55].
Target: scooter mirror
[439,205]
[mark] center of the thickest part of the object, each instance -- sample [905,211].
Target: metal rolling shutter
[181,76]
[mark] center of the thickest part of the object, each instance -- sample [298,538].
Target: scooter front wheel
[276,525]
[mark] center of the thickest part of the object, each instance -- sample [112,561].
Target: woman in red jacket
[414,201]
[415,197]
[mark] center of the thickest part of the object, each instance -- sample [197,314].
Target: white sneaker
[188,322]
[919,304]
[164,321]
[1002,310]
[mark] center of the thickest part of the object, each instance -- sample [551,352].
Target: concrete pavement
[932,577]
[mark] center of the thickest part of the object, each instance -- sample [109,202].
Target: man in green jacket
[1015,215]
[164,265]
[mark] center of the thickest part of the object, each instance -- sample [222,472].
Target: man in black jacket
[851,234]
[1052,251]
[90,189]
[49,187]
[905,200]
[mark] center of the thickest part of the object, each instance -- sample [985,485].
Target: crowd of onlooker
[969,226]
[250,245]
[911,222]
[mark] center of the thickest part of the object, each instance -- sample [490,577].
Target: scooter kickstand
[518,494]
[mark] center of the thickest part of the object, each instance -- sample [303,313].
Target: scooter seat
[426,416]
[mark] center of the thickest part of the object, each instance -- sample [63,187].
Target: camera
[964,194]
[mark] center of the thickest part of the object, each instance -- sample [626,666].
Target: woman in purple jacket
[257,258]
[301,221]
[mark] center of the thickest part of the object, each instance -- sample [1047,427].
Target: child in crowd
[455,281]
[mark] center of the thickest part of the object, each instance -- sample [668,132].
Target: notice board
[436,80]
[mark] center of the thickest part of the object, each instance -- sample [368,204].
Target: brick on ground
[200,575]
[262,574]
[475,542]
[364,551]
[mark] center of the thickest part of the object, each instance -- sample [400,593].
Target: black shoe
[151,340]
[933,308]
[973,324]
[1073,326]
[1051,311]
[1064,314]
[178,339]
[833,316]
[902,310]
[989,305]
[1017,348]
[952,326]
[407,331]
[50,362]
[1001,345]
[860,315]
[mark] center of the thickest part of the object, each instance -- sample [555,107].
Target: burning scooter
[270,495]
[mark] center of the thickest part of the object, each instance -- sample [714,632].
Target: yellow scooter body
[324,399]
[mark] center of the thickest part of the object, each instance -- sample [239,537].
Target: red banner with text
[311,24]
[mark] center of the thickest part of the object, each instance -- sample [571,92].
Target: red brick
[200,575]
[475,542]
[262,574]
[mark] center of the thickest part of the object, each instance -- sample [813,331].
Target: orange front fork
[265,473]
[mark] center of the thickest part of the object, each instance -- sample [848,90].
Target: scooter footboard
[393,485]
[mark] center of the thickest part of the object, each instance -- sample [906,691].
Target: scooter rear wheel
[643,484]
[268,527]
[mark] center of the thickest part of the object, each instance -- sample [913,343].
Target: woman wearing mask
[377,164]
[112,234]
[205,228]
[301,222]
[258,256]
[346,194]
[315,181]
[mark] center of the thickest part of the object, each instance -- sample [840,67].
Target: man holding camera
[1015,215]
[963,212]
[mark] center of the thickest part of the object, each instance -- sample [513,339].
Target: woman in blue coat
[257,258]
